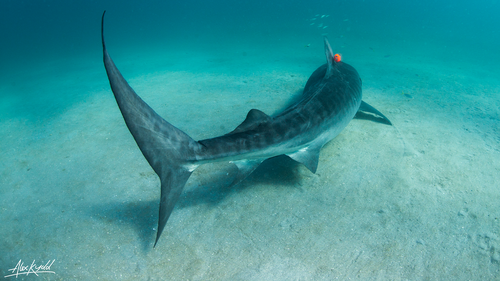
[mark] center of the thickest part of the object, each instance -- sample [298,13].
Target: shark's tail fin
[169,151]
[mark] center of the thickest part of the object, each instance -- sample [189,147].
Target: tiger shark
[330,100]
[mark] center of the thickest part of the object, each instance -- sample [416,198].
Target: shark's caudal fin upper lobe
[169,151]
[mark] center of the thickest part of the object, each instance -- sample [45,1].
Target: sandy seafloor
[418,200]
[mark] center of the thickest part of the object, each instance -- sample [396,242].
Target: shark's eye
[336,58]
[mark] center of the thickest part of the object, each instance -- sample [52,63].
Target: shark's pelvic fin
[309,156]
[368,112]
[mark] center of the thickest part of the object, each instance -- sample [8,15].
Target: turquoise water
[418,200]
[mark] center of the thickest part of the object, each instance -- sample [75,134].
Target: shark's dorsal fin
[254,118]
[308,156]
[330,60]
[368,112]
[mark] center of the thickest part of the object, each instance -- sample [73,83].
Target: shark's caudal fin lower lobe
[169,151]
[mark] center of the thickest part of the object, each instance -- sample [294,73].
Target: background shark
[331,99]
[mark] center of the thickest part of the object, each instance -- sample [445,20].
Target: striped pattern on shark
[331,99]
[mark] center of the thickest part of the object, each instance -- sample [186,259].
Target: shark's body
[331,99]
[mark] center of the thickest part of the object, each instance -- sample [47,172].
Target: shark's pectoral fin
[309,156]
[245,168]
[172,180]
[254,118]
[368,112]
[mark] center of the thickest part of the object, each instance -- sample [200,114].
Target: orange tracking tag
[336,58]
